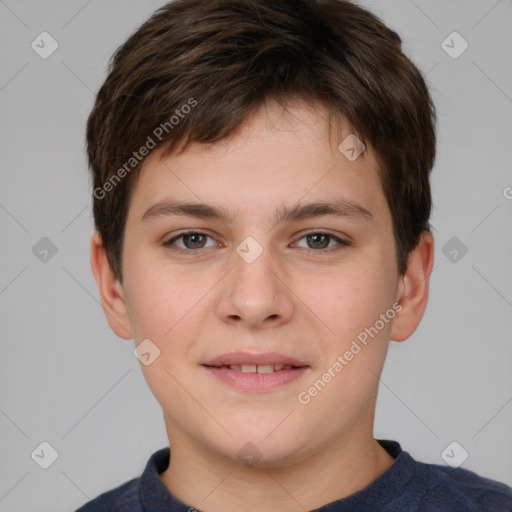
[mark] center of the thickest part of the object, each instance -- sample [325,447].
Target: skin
[296,298]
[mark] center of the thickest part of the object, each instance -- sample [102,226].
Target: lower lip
[257,382]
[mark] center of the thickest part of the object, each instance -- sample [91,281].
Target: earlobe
[412,293]
[111,290]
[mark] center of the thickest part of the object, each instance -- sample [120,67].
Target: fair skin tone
[307,297]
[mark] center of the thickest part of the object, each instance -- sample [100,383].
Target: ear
[413,289]
[111,290]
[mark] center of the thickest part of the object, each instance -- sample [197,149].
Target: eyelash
[341,243]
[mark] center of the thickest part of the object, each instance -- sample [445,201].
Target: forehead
[279,157]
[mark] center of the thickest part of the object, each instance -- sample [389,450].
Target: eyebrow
[338,208]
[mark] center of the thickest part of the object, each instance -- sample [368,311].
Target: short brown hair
[223,59]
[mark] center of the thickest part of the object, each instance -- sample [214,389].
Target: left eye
[195,240]
[319,239]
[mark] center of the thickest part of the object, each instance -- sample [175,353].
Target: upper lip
[254,359]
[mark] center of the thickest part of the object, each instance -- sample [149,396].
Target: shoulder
[460,489]
[129,496]
[124,498]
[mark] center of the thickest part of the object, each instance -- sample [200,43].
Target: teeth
[265,368]
[262,368]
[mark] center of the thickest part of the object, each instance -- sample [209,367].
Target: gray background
[68,380]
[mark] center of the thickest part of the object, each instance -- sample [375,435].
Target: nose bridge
[252,276]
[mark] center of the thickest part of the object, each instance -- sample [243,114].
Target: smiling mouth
[252,368]
[257,378]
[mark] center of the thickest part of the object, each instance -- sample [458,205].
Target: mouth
[256,373]
[260,368]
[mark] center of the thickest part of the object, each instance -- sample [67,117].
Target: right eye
[192,241]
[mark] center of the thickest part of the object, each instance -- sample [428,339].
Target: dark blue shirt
[406,486]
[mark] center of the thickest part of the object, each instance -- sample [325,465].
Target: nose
[255,293]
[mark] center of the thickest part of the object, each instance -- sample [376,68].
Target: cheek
[349,298]
[165,307]
[157,299]
[351,304]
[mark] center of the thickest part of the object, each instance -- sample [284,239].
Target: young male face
[304,298]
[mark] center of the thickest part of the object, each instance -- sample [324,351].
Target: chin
[258,445]
[265,457]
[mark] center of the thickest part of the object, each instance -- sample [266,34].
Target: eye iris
[315,237]
[194,236]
